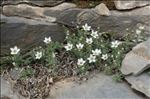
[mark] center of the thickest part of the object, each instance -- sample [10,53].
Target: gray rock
[140,83]
[138,16]
[124,5]
[87,16]
[102,9]
[98,87]
[33,2]
[27,33]
[120,21]
[136,12]
[16,73]
[44,13]
[7,91]
[55,11]
[69,17]
[137,60]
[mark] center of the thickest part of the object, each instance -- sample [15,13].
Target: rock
[137,63]
[55,11]
[140,83]
[27,33]
[16,73]
[33,2]
[69,17]
[87,16]
[102,9]
[125,5]
[7,91]
[24,10]
[120,21]
[44,13]
[144,11]
[98,87]
[139,16]
[137,60]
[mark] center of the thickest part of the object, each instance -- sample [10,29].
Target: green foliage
[108,70]
[17,60]
[118,77]
[49,55]
[27,72]
[90,49]
[112,49]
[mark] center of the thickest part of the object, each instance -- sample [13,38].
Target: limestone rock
[137,60]
[27,33]
[7,91]
[69,17]
[44,13]
[140,83]
[98,87]
[124,5]
[87,16]
[120,21]
[34,2]
[102,9]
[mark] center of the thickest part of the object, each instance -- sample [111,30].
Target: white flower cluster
[38,55]
[89,40]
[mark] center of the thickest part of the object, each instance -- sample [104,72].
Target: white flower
[94,34]
[138,31]
[127,29]
[15,50]
[89,40]
[79,46]
[141,27]
[92,58]
[51,80]
[47,40]
[104,57]
[38,55]
[115,44]
[53,55]
[69,46]
[80,62]
[14,63]
[86,27]
[96,52]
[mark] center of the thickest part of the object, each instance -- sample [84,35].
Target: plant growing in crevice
[94,50]
[16,57]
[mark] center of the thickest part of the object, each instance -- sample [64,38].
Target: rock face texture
[130,4]
[47,13]
[27,33]
[140,83]
[7,91]
[69,17]
[34,2]
[102,9]
[98,87]
[137,64]
[137,60]
[120,21]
